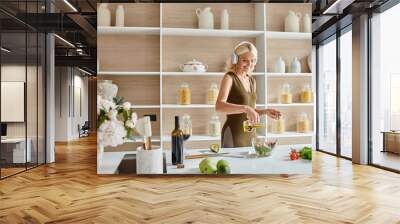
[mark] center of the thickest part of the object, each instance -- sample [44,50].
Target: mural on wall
[205,88]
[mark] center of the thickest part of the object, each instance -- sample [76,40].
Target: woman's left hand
[274,114]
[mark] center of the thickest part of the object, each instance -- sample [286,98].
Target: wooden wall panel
[276,13]
[139,90]
[198,86]
[288,49]
[241,16]
[138,53]
[138,14]
[209,50]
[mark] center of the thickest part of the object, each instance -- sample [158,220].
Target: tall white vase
[106,89]
[103,15]
[224,20]
[120,16]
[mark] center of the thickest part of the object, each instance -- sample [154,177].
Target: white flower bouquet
[115,121]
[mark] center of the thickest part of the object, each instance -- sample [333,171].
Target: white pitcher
[224,20]
[120,16]
[292,22]
[307,23]
[280,65]
[205,18]
[103,15]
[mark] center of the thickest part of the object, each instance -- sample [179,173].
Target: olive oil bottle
[250,127]
[177,144]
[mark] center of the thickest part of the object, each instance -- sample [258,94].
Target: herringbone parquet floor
[70,191]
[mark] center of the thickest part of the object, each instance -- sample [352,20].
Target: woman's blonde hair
[240,49]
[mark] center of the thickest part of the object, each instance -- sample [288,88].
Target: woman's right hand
[252,115]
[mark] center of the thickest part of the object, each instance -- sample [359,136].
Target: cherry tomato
[294,155]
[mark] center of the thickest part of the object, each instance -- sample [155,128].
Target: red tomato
[294,155]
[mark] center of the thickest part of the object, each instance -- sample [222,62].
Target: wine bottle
[177,144]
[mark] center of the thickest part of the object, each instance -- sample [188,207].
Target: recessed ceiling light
[5,50]
[70,5]
[65,41]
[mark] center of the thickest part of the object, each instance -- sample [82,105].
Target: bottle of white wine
[177,144]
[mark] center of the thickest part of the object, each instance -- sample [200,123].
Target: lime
[223,167]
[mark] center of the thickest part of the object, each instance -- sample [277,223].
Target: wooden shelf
[202,73]
[288,35]
[289,104]
[288,75]
[127,73]
[167,138]
[139,139]
[113,30]
[290,134]
[210,32]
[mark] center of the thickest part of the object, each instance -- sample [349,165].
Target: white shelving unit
[176,34]
[112,30]
[290,134]
[127,73]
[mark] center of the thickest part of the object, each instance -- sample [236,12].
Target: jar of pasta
[306,95]
[278,126]
[214,126]
[285,94]
[184,94]
[303,123]
[212,94]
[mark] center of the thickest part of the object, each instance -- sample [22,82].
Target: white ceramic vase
[103,15]
[224,20]
[106,89]
[307,23]
[292,22]
[205,18]
[280,65]
[120,16]
[149,161]
[295,66]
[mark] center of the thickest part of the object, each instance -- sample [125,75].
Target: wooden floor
[70,191]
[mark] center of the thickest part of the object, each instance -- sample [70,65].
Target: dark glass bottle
[177,144]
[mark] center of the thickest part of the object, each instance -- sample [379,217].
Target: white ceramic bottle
[120,16]
[205,18]
[103,15]
[307,23]
[295,66]
[224,20]
[280,65]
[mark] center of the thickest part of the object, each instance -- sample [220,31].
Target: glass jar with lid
[212,93]
[278,126]
[303,123]
[214,126]
[186,126]
[184,94]
[285,94]
[306,95]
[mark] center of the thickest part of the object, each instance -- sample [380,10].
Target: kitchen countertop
[278,163]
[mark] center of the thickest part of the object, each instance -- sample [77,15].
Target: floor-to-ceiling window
[327,96]
[23,87]
[385,89]
[346,92]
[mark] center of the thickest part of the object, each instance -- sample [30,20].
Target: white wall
[67,116]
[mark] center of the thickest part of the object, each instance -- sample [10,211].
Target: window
[385,89]
[327,97]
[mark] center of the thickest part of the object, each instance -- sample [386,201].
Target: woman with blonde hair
[237,97]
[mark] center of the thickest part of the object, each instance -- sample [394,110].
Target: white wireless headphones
[235,57]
